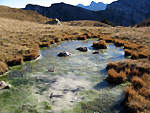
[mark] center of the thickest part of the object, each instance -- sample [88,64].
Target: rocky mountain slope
[145,23]
[121,12]
[94,6]
[128,12]
[63,12]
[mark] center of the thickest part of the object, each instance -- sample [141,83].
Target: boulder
[54,22]
[64,54]
[82,49]
[4,85]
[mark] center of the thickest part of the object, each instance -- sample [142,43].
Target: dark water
[77,82]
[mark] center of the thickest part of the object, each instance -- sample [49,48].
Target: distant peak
[94,6]
[93,2]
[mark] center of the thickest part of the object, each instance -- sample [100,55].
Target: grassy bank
[22,15]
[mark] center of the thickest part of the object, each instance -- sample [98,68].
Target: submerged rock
[4,85]
[96,52]
[56,96]
[64,54]
[82,49]
[52,69]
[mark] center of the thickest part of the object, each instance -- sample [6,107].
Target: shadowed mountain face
[145,23]
[121,12]
[64,12]
[94,6]
[128,12]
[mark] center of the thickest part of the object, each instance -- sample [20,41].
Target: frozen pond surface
[77,81]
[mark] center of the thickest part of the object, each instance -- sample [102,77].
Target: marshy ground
[77,79]
[20,41]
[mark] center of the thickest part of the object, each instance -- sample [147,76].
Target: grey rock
[54,22]
[82,49]
[64,54]
[52,69]
[4,85]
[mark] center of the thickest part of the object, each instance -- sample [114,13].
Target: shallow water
[78,80]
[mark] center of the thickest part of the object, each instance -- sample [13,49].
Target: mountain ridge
[121,12]
[67,13]
[94,6]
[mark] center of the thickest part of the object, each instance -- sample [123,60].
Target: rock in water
[54,22]
[82,49]
[56,96]
[64,54]
[4,85]
[52,69]
[96,52]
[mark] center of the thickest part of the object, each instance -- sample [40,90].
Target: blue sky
[22,3]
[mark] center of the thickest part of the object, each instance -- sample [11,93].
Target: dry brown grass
[88,23]
[118,42]
[127,71]
[137,96]
[3,68]
[100,45]
[22,15]
[138,104]
[134,102]
[20,41]
[114,77]
[127,52]
[111,65]
[137,82]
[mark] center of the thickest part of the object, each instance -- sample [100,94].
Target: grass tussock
[16,60]
[118,42]
[111,65]
[137,54]
[134,102]
[100,45]
[127,52]
[138,104]
[3,68]
[127,71]
[84,37]
[114,77]
[131,46]
[137,82]
[137,95]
